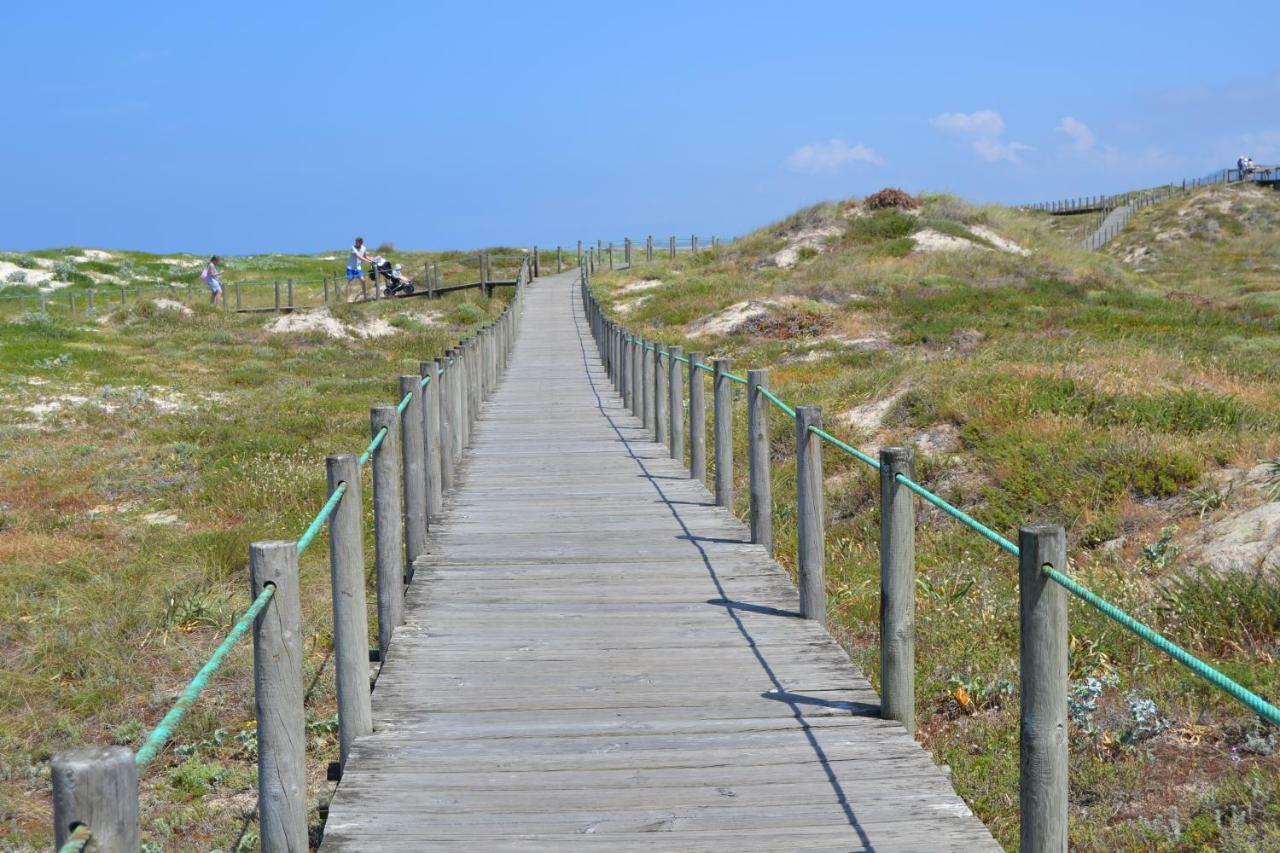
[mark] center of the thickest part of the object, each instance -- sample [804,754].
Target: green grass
[1076,390]
[221,429]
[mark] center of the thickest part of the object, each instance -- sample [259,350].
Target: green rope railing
[164,730]
[76,841]
[304,541]
[732,378]
[404,403]
[772,398]
[959,515]
[1247,697]
[373,445]
[852,451]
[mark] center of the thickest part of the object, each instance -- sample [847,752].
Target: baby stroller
[395,283]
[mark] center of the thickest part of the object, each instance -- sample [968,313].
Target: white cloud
[1082,138]
[830,157]
[984,131]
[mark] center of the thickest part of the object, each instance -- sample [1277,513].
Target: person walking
[211,275]
[354,270]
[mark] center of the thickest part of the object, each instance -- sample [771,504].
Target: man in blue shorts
[354,271]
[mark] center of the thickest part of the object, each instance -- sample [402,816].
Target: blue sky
[239,127]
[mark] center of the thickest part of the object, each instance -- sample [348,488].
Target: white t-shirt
[353,260]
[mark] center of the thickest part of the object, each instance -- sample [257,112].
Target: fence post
[350,621]
[431,433]
[97,786]
[648,248]
[722,404]
[413,449]
[1042,657]
[626,251]
[660,396]
[388,537]
[675,404]
[237,296]
[458,394]
[326,288]
[646,390]
[90,309]
[290,294]
[810,509]
[448,423]
[559,259]
[278,698]
[277,287]
[537,263]
[672,249]
[635,383]
[693,244]
[697,420]
[897,588]
[758,455]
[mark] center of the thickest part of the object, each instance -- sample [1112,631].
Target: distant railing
[415,449]
[655,394]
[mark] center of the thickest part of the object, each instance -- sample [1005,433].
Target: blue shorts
[354,272]
[215,286]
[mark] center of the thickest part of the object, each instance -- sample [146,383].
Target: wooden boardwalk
[594,658]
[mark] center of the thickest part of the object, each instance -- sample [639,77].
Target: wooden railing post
[412,449]
[697,420]
[722,404]
[445,372]
[675,404]
[626,251]
[648,248]
[660,396]
[693,244]
[388,537]
[350,620]
[431,434]
[647,410]
[897,588]
[811,523]
[276,283]
[279,698]
[97,786]
[672,249]
[460,370]
[760,469]
[559,259]
[1042,657]
[635,386]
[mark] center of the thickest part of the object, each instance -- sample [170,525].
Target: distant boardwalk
[592,657]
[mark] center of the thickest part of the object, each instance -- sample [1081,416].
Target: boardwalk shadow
[795,702]
[754,608]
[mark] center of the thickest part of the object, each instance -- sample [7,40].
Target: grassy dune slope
[139,455]
[1053,384]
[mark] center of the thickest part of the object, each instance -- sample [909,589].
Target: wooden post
[693,244]
[413,449]
[811,522]
[388,536]
[647,410]
[448,419]
[350,621]
[278,698]
[458,391]
[697,420]
[897,588]
[675,404]
[611,255]
[277,286]
[579,253]
[97,786]
[290,294]
[431,432]
[672,248]
[90,309]
[627,251]
[1042,657]
[722,404]
[237,296]
[537,265]
[559,259]
[648,248]
[760,469]
[660,396]
[326,288]
[635,385]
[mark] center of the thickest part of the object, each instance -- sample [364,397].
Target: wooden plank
[595,656]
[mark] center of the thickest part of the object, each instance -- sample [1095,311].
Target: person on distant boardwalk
[212,276]
[1249,168]
[354,271]
[1240,166]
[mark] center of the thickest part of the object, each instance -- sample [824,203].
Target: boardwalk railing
[415,449]
[1115,211]
[654,393]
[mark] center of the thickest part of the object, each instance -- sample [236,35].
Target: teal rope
[162,732]
[959,515]
[852,451]
[404,402]
[769,395]
[706,368]
[373,445]
[1248,698]
[423,383]
[682,358]
[316,523]
[76,841]
[737,379]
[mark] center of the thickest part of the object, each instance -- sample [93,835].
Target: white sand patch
[638,286]
[313,321]
[30,277]
[869,416]
[630,305]
[111,400]
[160,518]
[929,240]
[1004,244]
[731,319]
[876,340]
[172,305]
[813,238]
[92,255]
[327,258]
[375,327]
